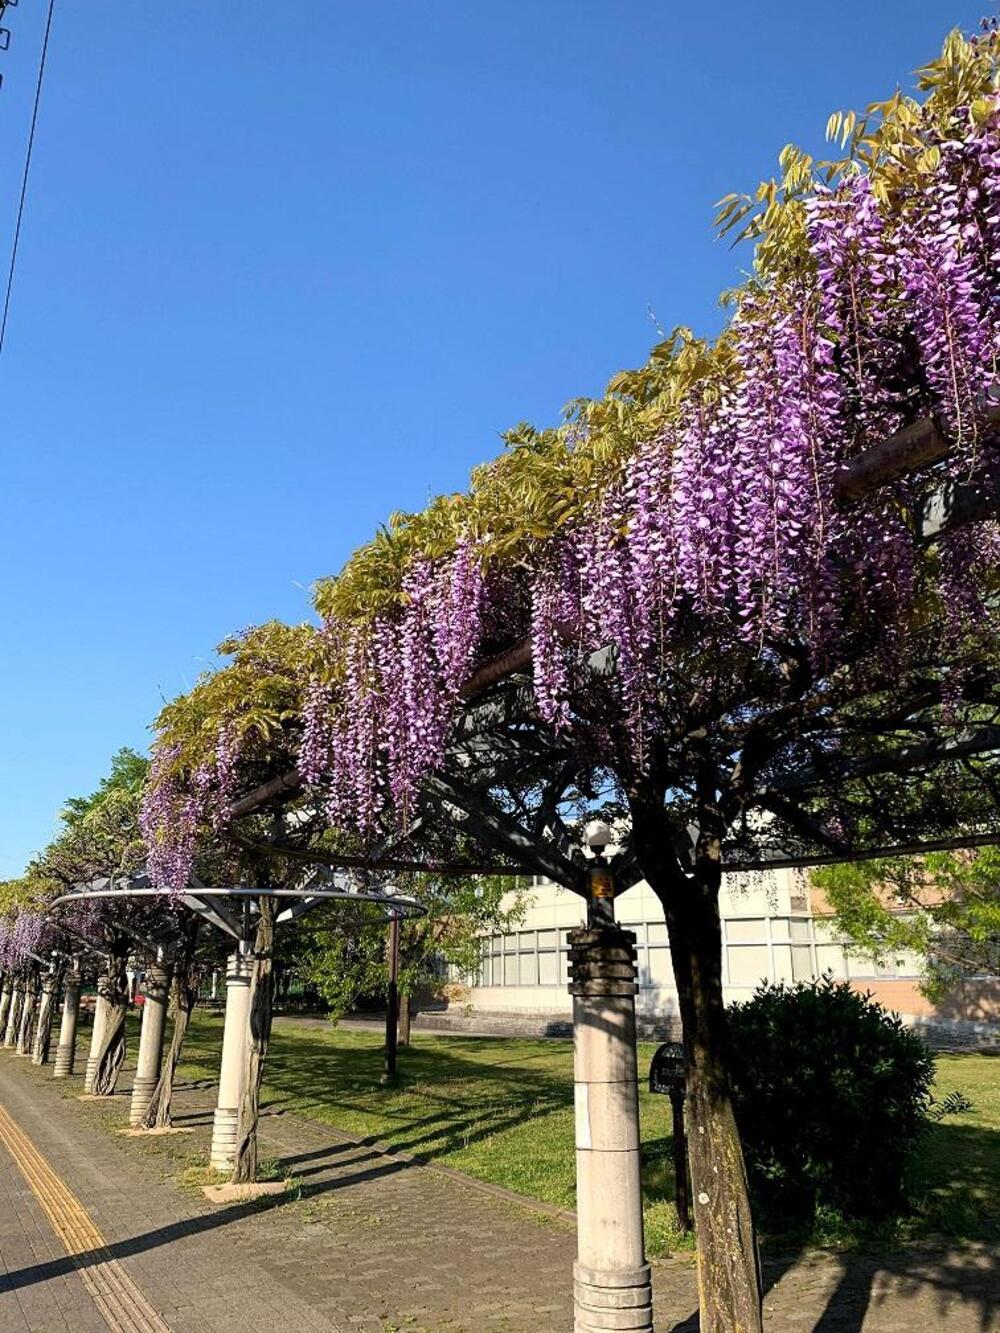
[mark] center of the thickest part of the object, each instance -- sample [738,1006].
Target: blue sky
[286,269]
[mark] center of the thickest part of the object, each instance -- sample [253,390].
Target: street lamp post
[611,1285]
[601,885]
[392,1005]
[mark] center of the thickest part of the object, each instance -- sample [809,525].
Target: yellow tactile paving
[124,1307]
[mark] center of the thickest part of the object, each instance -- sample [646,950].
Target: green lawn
[957,1170]
[502,1111]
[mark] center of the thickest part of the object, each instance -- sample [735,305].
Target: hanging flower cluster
[21,935]
[173,809]
[730,514]
[375,738]
[721,528]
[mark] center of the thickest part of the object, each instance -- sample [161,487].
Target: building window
[755,949]
[548,968]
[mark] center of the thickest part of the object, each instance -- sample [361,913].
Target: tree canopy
[349,964]
[700,554]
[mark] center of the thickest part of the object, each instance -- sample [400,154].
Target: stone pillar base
[611,1278]
[142,1095]
[223,1153]
[90,1073]
[64,1061]
[612,1300]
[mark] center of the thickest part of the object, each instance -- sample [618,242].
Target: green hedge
[832,1093]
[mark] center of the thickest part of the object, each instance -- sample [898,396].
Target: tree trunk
[261,1008]
[43,1032]
[6,995]
[14,1015]
[185,997]
[405,1018]
[158,1111]
[728,1268]
[111,1056]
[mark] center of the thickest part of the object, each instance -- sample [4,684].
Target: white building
[769,932]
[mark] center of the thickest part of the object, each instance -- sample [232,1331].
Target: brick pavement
[58,1300]
[373,1244]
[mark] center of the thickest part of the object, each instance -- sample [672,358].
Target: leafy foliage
[348,964]
[253,698]
[954,1103]
[833,1127]
[100,834]
[944,906]
[125,779]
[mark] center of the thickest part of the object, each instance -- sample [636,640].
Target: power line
[24,178]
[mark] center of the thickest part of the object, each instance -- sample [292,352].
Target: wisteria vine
[727,519]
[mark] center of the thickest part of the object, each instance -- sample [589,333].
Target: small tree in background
[832,1093]
[944,907]
[347,965]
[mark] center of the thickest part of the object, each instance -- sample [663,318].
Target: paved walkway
[370,1244]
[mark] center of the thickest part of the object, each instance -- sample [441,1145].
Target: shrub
[831,1093]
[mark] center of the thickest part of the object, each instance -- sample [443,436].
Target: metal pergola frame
[213,903]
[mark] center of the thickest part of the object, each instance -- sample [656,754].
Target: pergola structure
[230,909]
[497,735]
[27,1001]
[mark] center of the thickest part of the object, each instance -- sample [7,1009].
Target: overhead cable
[27,168]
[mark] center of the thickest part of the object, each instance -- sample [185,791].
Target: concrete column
[66,1050]
[235,1035]
[100,1027]
[5,998]
[14,1014]
[156,990]
[28,1012]
[43,1030]
[611,1285]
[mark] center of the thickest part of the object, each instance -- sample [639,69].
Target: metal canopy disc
[400,904]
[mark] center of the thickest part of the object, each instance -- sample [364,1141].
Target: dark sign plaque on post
[666,1075]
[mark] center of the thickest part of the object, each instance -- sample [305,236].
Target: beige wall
[769,933]
[531,960]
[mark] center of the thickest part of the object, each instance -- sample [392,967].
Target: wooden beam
[937,750]
[498,668]
[732,865]
[956,504]
[915,446]
[282,787]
